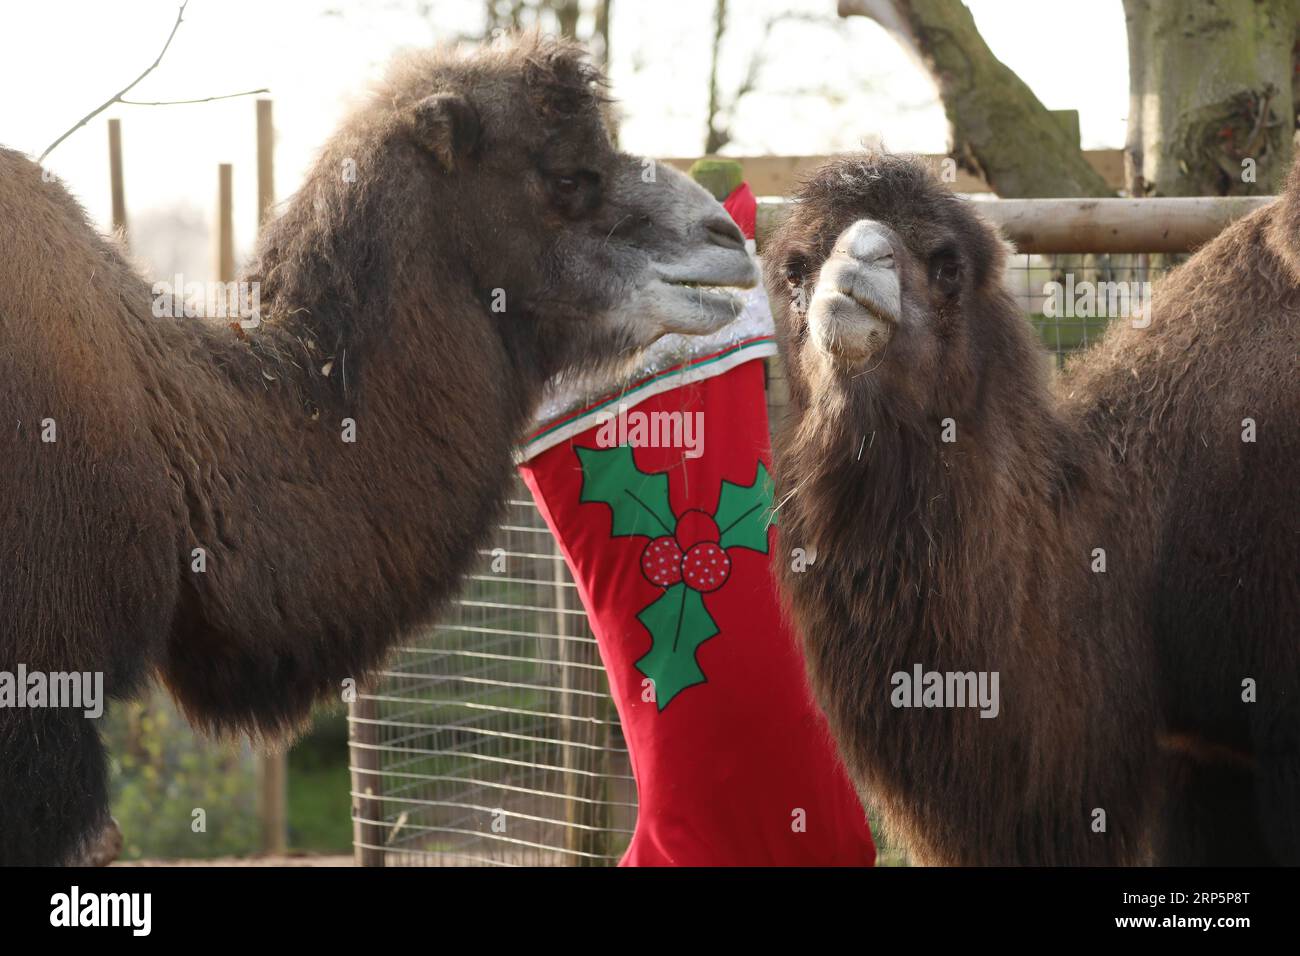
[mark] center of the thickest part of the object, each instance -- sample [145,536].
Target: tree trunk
[998,128]
[567,13]
[600,31]
[716,135]
[1210,96]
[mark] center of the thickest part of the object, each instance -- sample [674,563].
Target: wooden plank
[1176,224]
[780,175]
[1110,163]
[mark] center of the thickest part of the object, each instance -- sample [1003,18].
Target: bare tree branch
[998,128]
[116,97]
[205,99]
[718,134]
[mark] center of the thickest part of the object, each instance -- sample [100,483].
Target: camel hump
[15,164]
[53,243]
[29,194]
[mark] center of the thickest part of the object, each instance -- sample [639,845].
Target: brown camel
[255,510]
[1105,566]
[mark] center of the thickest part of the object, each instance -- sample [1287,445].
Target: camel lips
[719,293]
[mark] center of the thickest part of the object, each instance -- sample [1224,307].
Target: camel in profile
[1118,549]
[253,511]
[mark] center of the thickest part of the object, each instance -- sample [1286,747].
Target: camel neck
[922,495]
[376,402]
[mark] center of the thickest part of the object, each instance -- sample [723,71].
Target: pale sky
[60,58]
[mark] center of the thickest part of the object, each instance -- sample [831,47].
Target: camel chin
[845,333]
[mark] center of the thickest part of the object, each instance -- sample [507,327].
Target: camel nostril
[723,232]
[868,247]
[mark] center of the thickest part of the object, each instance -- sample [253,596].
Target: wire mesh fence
[1070,299]
[491,738]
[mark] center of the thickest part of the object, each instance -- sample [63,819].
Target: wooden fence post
[272,768]
[265,163]
[225,251]
[115,176]
[367,799]
[585,783]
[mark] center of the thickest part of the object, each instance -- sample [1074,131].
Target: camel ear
[447,126]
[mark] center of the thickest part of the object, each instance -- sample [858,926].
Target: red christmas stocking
[663,512]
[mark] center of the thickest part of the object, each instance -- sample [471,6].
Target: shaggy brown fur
[475,177]
[1120,691]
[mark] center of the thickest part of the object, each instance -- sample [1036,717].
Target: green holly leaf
[639,501]
[678,624]
[745,512]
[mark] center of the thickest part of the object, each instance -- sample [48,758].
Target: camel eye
[945,273]
[575,193]
[570,184]
[795,270]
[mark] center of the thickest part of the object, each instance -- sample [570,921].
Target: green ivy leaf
[678,624]
[745,512]
[638,500]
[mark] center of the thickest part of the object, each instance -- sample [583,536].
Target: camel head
[599,251]
[883,282]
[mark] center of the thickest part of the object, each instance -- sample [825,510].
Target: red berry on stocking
[661,562]
[706,567]
[695,526]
